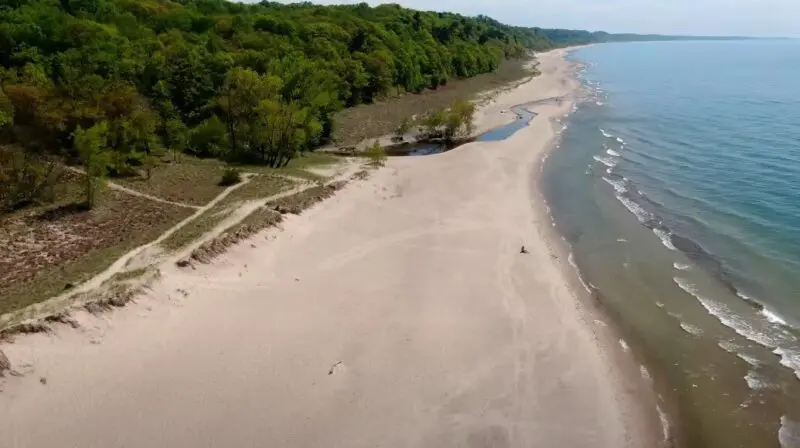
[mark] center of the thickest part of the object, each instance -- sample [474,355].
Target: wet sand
[398,313]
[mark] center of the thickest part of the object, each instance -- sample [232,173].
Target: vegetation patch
[261,186]
[231,176]
[382,118]
[196,228]
[264,217]
[259,220]
[47,250]
[126,276]
[297,203]
[189,181]
[258,187]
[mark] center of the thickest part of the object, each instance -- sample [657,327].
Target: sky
[767,18]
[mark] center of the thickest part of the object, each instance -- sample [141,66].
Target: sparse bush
[376,155]
[459,119]
[403,129]
[231,176]
[26,178]
[432,124]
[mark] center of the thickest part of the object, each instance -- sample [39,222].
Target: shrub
[403,129]
[231,176]
[376,155]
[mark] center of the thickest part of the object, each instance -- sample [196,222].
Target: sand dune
[399,313]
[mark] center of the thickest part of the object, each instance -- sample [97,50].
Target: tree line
[128,80]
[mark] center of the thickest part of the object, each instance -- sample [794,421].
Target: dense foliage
[216,78]
[255,82]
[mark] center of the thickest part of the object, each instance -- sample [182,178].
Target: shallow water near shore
[676,184]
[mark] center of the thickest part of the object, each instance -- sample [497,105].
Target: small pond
[524,116]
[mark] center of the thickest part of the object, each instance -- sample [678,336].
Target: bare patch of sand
[400,312]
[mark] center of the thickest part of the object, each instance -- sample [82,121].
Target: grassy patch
[188,180]
[357,124]
[261,186]
[297,167]
[45,251]
[256,221]
[129,275]
[296,203]
[196,228]
[271,214]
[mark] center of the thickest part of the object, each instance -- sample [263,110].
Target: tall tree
[93,149]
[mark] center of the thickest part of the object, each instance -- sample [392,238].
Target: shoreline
[641,392]
[345,301]
[715,369]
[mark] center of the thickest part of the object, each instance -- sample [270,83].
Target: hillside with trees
[134,79]
[214,78]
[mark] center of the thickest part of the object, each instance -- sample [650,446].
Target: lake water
[677,184]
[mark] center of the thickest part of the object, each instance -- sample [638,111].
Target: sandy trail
[130,191]
[399,313]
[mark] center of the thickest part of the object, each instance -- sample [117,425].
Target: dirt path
[149,254]
[121,264]
[118,187]
[248,207]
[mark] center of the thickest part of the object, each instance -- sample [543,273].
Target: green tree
[376,155]
[6,110]
[458,120]
[209,138]
[176,136]
[243,92]
[92,146]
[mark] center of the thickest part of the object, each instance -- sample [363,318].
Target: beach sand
[398,313]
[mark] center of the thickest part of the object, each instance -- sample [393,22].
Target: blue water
[678,186]
[712,134]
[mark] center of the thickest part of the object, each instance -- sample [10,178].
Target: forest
[117,84]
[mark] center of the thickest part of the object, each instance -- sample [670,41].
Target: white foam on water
[619,139]
[611,152]
[583,282]
[607,161]
[789,433]
[622,240]
[645,373]
[725,315]
[605,134]
[666,238]
[659,304]
[619,185]
[641,214]
[681,266]
[729,347]
[662,416]
[790,357]
[625,347]
[772,317]
[756,381]
[732,348]
[691,329]
[571,260]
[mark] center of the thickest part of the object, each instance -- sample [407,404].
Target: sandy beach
[398,313]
